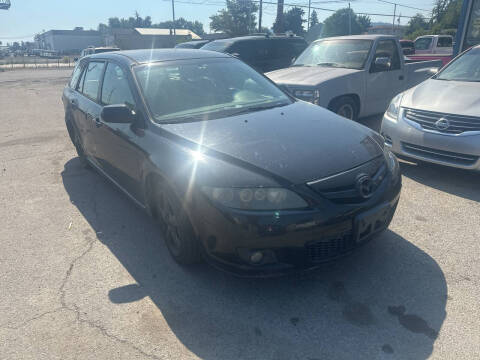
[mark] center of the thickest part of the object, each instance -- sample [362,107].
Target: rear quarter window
[75,76]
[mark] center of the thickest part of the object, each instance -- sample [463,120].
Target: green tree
[293,20]
[416,24]
[365,22]
[337,24]
[313,19]
[237,19]
[181,23]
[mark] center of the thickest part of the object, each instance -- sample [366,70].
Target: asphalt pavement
[85,274]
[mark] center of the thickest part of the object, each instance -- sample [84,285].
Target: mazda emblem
[442,124]
[364,186]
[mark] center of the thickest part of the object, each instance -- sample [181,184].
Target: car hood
[307,75]
[297,143]
[453,97]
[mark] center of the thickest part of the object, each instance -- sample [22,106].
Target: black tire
[345,106]
[178,232]
[73,133]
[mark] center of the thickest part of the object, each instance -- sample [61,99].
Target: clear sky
[27,17]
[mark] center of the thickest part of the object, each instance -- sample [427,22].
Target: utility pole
[393,22]
[308,21]
[260,17]
[349,20]
[278,28]
[173,17]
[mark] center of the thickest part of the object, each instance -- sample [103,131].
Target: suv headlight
[394,108]
[255,198]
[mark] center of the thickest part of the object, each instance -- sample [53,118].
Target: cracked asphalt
[84,274]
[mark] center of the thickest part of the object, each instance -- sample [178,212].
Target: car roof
[143,56]
[259,37]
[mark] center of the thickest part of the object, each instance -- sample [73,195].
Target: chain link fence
[35,62]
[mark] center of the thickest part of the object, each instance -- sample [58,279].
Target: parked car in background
[439,120]
[196,44]
[353,76]
[232,167]
[97,50]
[262,52]
[408,47]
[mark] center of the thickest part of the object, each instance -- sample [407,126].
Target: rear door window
[92,78]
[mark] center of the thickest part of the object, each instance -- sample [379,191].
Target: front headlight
[392,162]
[307,95]
[394,107]
[255,198]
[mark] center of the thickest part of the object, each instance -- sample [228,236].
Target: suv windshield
[465,68]
[193,90]
[350,54]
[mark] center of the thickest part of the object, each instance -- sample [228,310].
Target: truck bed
[416,71]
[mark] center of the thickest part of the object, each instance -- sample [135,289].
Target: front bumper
[291,240]
[407,139]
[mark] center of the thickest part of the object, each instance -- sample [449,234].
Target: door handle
[400,77]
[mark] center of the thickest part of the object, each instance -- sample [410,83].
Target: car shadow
[387,298]
[459,182]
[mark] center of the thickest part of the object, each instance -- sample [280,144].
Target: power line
[405,6]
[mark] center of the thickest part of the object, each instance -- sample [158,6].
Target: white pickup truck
[354,76]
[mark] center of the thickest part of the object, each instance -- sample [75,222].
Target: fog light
[256,257]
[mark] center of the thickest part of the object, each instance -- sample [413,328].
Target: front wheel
[177,229]
[345,106]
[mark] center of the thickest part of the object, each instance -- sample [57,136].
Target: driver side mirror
[382,64]
[117,114]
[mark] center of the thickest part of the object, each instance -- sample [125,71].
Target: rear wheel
[177,229]
[345,106]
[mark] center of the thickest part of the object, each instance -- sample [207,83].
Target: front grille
[457,124]
[439,155]
[342,188]
[330,248]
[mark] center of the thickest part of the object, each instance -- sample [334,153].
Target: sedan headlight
[394,107]
[307,95]
[255,198]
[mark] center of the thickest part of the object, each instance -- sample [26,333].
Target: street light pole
[393,22]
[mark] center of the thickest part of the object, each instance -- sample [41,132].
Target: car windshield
[350,54]
[193,90]
[465,68]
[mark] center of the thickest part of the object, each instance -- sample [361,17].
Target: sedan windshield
[465,68]
[350,54]
[202,89]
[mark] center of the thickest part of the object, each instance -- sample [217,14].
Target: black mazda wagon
[236,171]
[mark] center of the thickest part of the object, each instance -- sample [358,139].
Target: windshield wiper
[298,65]
[254,108]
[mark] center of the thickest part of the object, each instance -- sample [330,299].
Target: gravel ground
[84,274]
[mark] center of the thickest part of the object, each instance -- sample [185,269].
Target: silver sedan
[439,120]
